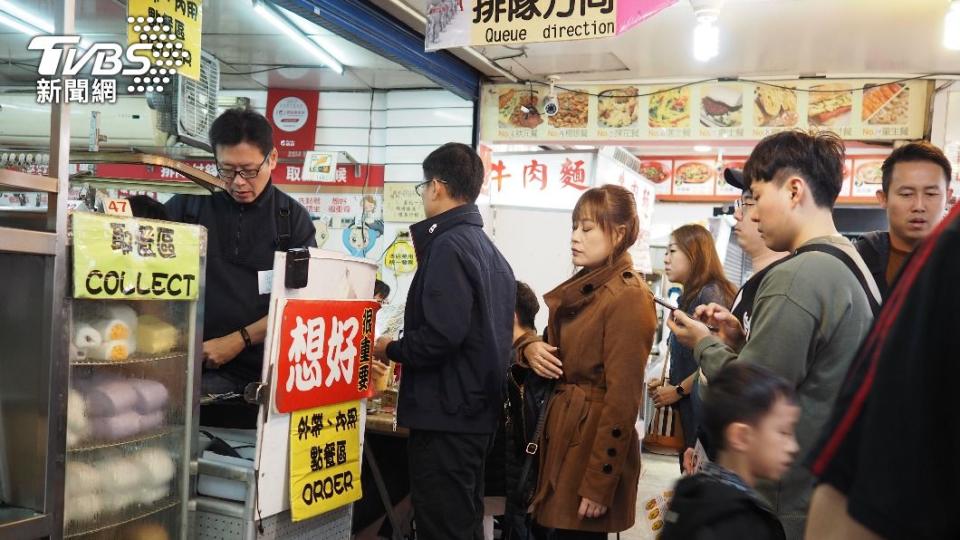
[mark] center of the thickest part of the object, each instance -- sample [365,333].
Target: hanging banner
[320,166]
[540,180]
[462,23]
[293,116]
[181,18]
[324,459]
[323,352]
[134,259]
[401,203]
[741,110]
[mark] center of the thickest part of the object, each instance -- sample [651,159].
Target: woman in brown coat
[600,331]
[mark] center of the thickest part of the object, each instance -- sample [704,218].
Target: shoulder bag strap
[848,261]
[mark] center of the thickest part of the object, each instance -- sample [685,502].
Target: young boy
[751,413]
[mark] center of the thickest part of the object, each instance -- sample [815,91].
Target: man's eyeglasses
[246,174]
[423,185]
[743,203]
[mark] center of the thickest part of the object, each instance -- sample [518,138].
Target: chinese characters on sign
[324,459]
[117,257]
[182,22]
[401,203]
[293,116]
[541,180]
[324,352]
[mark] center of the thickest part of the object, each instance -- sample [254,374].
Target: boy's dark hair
[741,392]
[142,206]
[527,306]
[239,125]
[915,151]
[459,167]
[815,157]
[380,288]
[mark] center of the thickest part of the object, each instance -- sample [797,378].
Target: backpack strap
[283,223]
[848,261]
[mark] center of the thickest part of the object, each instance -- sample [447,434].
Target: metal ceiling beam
[373,29]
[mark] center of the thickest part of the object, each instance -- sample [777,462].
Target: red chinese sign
[324,353]
[293,116]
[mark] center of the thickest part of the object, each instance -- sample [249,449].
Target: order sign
[134,259]
[324,459]
[324,352]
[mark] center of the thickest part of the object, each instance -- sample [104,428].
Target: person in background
[456,346]
[916,188]
[692,261]
[811,311]
[381,291]
[752,414]
[245,224]
[142,206]
[600,331]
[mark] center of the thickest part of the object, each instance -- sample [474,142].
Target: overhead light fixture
[701,148]
[275,18]
[22,20]
[706,35]
[951,27]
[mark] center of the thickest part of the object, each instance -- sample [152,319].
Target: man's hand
[728,327]
[590,509]
[380,348]
[665,395]
[688,331]
[221,350]
[540,358]
[688,463]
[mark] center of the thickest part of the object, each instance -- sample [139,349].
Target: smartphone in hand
[665,303]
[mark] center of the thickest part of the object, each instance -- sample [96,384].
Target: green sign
[135,259]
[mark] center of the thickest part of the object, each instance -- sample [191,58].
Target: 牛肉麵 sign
[323,350]
[135,259]
[459,23]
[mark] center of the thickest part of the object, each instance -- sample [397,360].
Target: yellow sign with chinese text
[324,459]
[401,257]
[118,258]
[180,27]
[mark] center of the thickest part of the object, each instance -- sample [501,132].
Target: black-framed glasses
[423,185]
[744,203]
[246,174]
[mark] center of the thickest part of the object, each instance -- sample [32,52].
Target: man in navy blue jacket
[456,346]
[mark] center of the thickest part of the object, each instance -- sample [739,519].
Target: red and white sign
[323,352]
[539,180]
[293,116]
[369,176]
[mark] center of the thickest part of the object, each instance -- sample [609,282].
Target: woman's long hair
[696,243]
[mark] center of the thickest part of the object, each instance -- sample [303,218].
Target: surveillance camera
[551,106]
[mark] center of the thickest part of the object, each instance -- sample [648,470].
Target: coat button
[612,452]
[616,432]
[608,468]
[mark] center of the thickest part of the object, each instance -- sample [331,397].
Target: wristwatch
[680,391]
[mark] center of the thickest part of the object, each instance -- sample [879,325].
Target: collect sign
[134,259]
[459,23]
[324,459]
[187,20]
[293,116]
[324,352]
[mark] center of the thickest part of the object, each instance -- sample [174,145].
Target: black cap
[734,177]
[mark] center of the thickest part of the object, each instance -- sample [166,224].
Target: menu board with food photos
[738,110]
[699,179]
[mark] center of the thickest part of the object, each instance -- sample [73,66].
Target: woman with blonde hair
[600,332]
[692,261]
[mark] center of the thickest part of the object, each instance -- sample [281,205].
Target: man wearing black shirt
[245,226]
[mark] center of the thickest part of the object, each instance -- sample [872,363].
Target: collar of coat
[575,293]
[424,232]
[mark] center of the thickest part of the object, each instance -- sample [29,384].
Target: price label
[117,207]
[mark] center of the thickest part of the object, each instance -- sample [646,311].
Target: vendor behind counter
[245,226]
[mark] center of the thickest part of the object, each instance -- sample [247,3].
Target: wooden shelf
[26,241]
[20,181]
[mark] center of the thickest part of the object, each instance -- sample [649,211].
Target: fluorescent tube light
[277,20]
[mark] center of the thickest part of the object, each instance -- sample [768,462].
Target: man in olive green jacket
[811,311]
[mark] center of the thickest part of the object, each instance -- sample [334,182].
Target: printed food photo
[775,107]
[573,111]
[830,105]
[694,172]
[670,108]
[519,108]
[886,104]
[722,106]
[655,171]
[619,107]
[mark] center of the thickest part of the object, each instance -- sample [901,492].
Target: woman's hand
[590,509]
[540,358]
[665,395]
